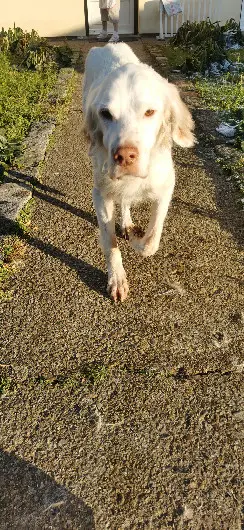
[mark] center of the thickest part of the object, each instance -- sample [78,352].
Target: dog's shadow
[31,499]
[93,277]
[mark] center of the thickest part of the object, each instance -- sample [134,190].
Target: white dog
[131,115]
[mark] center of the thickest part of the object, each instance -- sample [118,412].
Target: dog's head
[132,113]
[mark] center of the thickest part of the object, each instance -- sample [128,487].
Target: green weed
[11,252]
[5,385]
[89,375]
[23,221]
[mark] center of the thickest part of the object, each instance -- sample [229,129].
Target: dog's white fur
[115,80]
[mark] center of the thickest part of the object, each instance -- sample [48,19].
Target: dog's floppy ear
[182,123]
[91,124]
[91,128]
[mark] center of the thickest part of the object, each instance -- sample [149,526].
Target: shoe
[102,35]
[114,38]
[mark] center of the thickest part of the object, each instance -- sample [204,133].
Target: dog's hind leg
[117,282]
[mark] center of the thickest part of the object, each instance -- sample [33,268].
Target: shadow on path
[31,499]
[41,191]
[94,278]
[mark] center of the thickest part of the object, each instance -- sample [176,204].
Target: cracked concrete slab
[13,198]
[35,147]
[157,443]
[134,451]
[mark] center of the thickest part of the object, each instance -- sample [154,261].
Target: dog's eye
[149,112]
[106,114]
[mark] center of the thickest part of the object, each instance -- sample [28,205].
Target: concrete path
[126,416]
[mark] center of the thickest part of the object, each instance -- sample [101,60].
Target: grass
[226,95]
[23,100]
[193,49]
[5,385]
[23,221]
[176,56]
[29,69]
[90,375]
[236,55]
[12,250]
[187,52]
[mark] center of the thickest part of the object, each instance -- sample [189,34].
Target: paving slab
[154,445]
[13,198]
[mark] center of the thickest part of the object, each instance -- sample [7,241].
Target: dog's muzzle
[125,161]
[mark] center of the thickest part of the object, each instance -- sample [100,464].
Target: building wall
[50,18]
[53,18]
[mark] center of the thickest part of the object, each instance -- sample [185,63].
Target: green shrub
[28,50]
[204,42]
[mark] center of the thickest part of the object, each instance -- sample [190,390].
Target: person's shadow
[32,500]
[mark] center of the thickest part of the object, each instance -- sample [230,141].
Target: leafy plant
[204,42]
[28,50]
[232,26]
[194,33]
[63,55]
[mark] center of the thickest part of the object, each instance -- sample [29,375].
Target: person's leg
[113,14]
[105,25]
[104,18]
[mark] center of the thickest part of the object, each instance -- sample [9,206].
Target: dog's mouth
[124,175]
[118,173]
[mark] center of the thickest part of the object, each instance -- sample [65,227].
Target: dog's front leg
[126,222]
[148,244]
[117,282]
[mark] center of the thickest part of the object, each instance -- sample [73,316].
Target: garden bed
[35,85]
[29,69]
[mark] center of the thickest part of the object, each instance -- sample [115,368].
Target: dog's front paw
[136,238]
[144,246]
[118,287]
[126,230]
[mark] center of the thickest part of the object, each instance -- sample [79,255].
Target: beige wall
[228,9]
[50,18]
[53,18]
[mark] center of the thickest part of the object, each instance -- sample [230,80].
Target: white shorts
[110,14]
